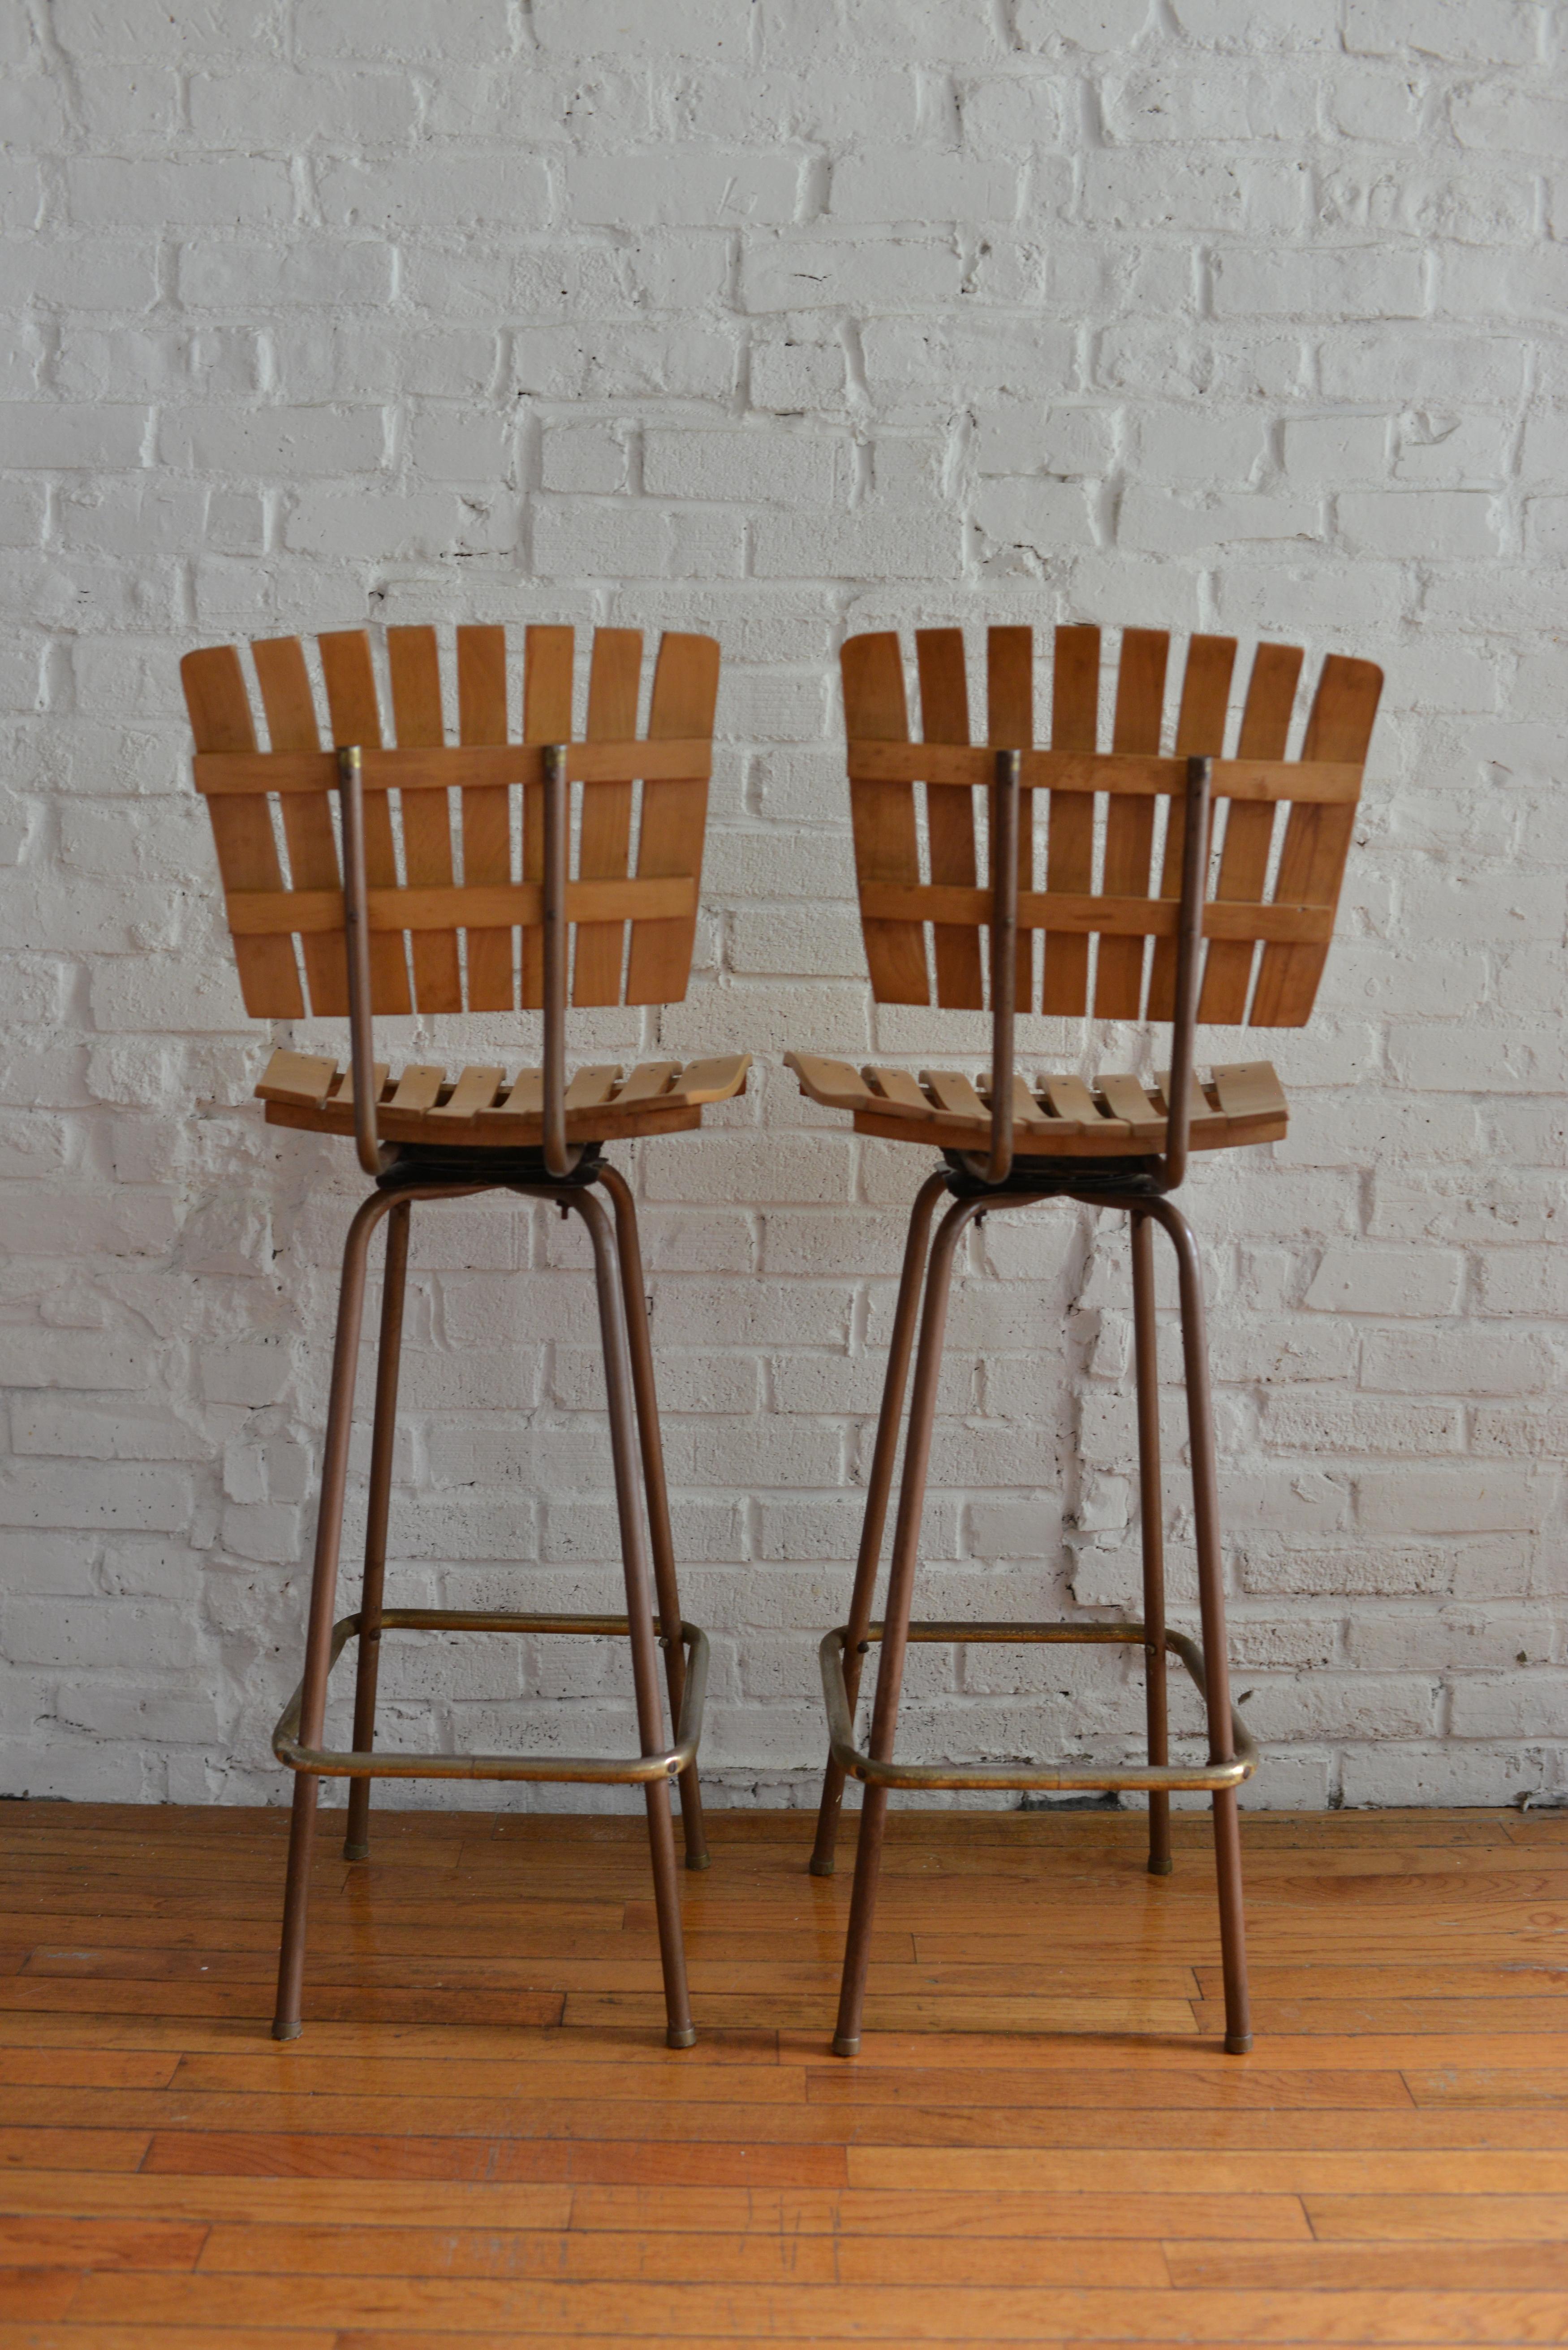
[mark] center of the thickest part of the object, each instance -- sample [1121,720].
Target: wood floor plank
[1494,2220]
[113,2335]
[1101,2086]
[609,2161]
[367,2307]
[100,2242]
[49,2149]
[757,2255]
[480,2138]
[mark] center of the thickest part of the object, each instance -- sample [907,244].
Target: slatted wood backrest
[1265,947]
[446,905]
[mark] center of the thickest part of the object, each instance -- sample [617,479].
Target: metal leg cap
[816,1868]
[1237,2044]
[352,1851]
[1161,1867]
[699,1860]
[846,2044]
[683,2036]
[286,2031]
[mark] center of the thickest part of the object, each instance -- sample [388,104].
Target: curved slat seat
[482,1109]
[1054,1117]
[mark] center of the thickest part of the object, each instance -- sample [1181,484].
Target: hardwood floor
[481,2140]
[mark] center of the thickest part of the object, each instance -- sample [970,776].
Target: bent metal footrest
[330,1763]
[858,1764]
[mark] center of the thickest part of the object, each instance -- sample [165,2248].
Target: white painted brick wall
[783,318]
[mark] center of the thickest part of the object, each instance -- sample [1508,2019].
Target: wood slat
[547,656]
[882,816]
[1134,917]
[1010,726]
[589,1087]
[1069,1096]
[648,1080]
[898,1087]
[1070,838]
[674,816]
[1199,734]
[715,1080]
[486,813]
[1317,839]
[489,765]
[1249,826]
[604,847]
[833,1083]
[1130,826]
[475,1090]
[356,718]
[291,726]
[419,1086]
[949,817]
[267,914]
[953,1094]
[1126,1098]
[220,719]
[415,664]
[297,1077]
[1328,783]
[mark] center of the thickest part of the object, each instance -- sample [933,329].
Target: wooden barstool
[394,930]
[1129,838]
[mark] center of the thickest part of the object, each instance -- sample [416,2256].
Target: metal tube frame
[565,1175]
[1001,1180]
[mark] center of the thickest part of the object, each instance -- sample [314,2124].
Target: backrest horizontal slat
[1113,822]
[447,907]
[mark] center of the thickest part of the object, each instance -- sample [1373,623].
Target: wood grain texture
[1129,823]
[674,816]
[356,718]
[486,810]
[290,724]
[220,714]
[1317,839]
[949,816]
[1250,827]
[1070,838]
[615,673]
[1040,2144]
[415,665]
[883,815]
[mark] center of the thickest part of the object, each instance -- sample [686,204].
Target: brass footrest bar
[590,1770]
[1207,1776]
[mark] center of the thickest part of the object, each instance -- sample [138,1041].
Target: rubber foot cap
[685,2037]
[286,2031]
[843,2045]
[356,1851]
[1237,2044]
[697,1861]
[815,1868]
[1160,1868]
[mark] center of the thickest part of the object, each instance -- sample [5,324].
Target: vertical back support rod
[356,942]
[1005,794]
[1151,1521]
[1189,959]
[557,841]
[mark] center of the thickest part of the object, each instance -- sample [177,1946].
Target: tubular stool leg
[640,1607]
[388,1360]
[322,1592]
[895,1631]
[878,1489]
[1151,1524]
[1211,1608]
[634,1293]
